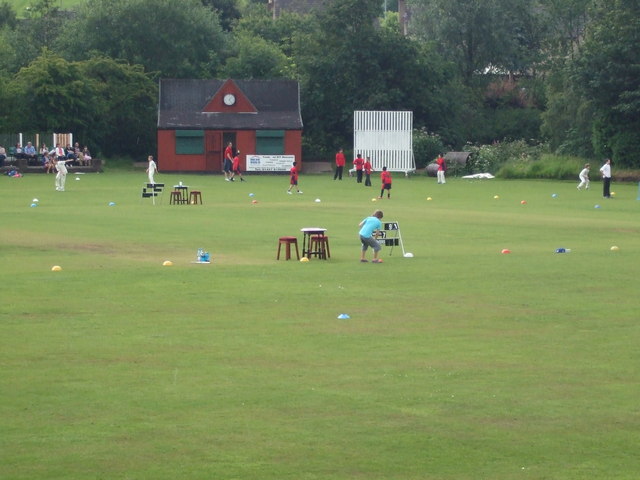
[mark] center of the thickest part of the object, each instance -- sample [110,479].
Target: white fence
[386,137]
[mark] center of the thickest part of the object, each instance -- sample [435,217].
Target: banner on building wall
[269,163]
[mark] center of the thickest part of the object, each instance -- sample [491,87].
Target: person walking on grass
[236,167]
[584,177]
[369,230]
[606,178]
[367,172]
[293,180]
[151,169]
[386,179]
[358,163]
[227,162]
[340,163]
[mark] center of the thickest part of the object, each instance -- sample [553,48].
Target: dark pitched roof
[183,101]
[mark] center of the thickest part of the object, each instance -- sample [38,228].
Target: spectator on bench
[19,153]
[49,162]
[71,154]
[31,154]
[44,152]
[86,154]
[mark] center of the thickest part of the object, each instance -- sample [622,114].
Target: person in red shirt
[294,179]
[385,177]
[236,167]
[442,167]
[367,172]
[358,163]
[340,163]
[228,162]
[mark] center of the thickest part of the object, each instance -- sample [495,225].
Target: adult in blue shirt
[369,229]
[30,152]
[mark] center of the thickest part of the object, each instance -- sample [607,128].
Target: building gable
[229,99]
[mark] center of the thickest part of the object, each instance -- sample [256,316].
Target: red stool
[288,241]
[194,196]
[320,245]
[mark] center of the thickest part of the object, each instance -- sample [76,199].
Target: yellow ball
[167,263]
[56,268]
[374,199]
[613,194]
[496,197]
[304,259]
[429,199]
[192,202]
[615,248]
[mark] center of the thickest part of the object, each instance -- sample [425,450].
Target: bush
[559,167]
[491,158]
[426,147]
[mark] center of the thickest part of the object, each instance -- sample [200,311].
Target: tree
[50,95]
[565,22]
[126,100]
[7,15]
[172,39]
[607,73]
[473,34]
[255,58]
[348,63]
[108,105]
[22,41]
[227,10]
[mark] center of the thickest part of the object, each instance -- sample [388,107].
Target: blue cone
[343,316]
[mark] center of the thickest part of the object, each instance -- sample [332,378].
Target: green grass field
[459,363]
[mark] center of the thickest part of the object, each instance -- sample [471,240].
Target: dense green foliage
[93,99]
[558,72]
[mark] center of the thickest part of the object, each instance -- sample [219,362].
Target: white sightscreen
[385,137]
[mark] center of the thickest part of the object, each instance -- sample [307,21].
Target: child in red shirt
[358,163]
[294,178]
[236,167]
[367,172]
[385,177]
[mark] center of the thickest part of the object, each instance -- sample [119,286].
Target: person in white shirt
[61,167]
[606,178]
[584,177]
[152,169]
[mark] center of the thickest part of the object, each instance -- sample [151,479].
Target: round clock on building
[229,99]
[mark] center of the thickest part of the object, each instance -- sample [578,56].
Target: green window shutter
[270,142]
[189,142]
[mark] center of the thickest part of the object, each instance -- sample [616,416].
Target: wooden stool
[320,245]
[288,241]
[194,196]
[176,198]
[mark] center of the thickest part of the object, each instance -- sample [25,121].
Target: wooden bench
[23,166]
